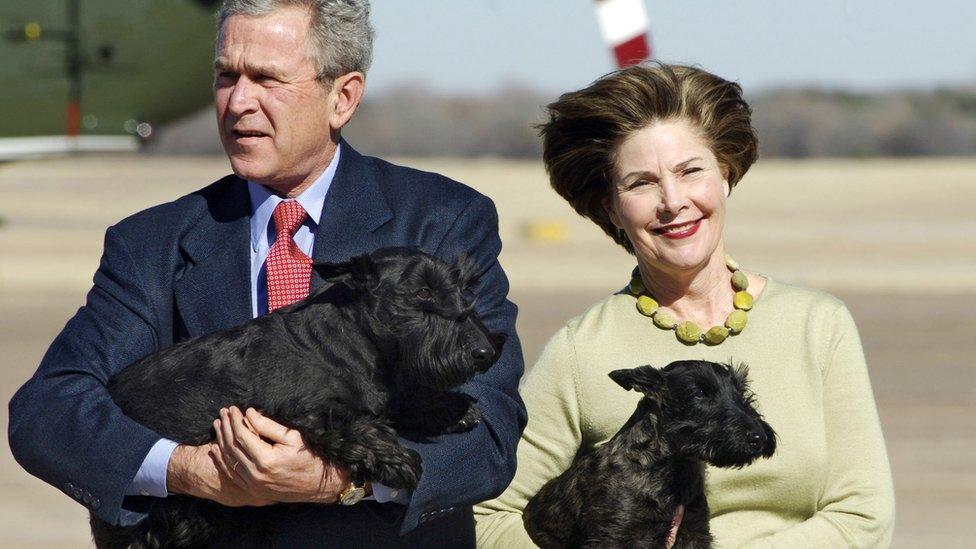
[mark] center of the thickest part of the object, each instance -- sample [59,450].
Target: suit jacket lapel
[214,292]
[355,207]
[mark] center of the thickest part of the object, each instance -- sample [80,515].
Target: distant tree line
[806,123]
[800,123]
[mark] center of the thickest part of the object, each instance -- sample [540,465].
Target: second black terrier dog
[379,349]
[625,493]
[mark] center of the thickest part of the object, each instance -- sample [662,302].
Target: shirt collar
[264,202]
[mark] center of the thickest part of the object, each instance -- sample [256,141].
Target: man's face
[272,112]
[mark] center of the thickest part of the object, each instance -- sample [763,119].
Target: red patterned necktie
[289,270]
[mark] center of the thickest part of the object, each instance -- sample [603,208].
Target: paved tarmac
[896,240]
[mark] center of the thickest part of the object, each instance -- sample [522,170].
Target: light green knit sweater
[829,483]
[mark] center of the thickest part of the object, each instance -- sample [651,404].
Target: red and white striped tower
[625,29]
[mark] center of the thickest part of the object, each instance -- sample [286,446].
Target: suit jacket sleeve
[463,469]
[64,427]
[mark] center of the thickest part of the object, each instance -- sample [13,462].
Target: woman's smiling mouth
[677,231]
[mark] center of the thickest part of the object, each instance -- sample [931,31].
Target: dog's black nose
[482,354]
[756,438]
[483,357]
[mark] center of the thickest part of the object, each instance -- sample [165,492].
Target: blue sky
[555,45]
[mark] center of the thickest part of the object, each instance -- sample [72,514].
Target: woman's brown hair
[586,128]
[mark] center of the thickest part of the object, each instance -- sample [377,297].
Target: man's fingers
[271,429]
[218,456]
[247,423]
[226,435]
[234,454]
[250,448]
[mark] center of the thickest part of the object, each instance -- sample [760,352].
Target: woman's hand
[270,461]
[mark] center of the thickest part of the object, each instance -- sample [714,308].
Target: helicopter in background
[99,75]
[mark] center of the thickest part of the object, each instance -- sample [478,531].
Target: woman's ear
[725,179]
[607,203]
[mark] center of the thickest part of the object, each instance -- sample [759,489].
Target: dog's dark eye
[424,293]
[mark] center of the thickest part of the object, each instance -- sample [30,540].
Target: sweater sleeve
[547,447]
[856,508]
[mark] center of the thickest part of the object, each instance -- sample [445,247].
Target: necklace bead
[740,281]
[715,335]
[688,332]
[737,321]
[637,285]
[646,305]
[664,320]
[742,300]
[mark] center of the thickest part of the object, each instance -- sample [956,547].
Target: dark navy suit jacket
[181,269]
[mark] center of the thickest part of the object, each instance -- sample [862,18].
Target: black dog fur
[376,352]
[625,493]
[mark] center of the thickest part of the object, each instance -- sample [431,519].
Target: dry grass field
[895,239]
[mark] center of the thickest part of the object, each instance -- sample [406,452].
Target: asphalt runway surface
[896,240]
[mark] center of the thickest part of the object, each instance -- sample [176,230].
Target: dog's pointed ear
[357,272]
[739,373]
[333,272]
[646,379]
[465,268]
[498,340]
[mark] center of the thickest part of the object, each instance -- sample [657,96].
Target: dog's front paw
[468,421]
[437,413]
[401,469]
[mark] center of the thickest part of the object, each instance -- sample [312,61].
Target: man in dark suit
[288,76]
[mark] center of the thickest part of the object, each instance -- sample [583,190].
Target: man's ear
[357,272]
[346,93]
[646,379]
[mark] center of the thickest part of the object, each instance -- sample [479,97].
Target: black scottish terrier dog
[626,492]
[376,352]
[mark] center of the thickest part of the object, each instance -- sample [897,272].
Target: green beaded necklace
[688,332]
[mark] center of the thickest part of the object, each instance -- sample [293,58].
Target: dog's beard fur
[442,361]
[726,448]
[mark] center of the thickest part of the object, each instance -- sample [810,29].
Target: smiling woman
[651,155]
[667,187]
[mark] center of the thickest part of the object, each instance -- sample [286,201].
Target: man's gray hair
[340,36]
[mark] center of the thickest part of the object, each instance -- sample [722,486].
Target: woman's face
[668,194]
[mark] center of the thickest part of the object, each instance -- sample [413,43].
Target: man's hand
[193,471]
[270,461]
